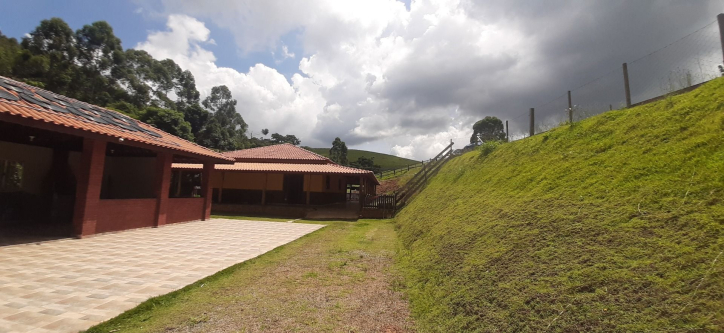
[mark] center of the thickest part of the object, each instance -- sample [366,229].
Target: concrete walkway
[72,284]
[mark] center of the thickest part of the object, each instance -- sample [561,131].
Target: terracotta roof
[285,152]
[20,101]
[282,167]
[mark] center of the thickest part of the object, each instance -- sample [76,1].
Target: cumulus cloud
[265,98]
[407,81]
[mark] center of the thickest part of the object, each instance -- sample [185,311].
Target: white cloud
[265,98]
[408,81]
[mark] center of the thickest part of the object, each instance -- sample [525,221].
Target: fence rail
[404,194]
[388,172]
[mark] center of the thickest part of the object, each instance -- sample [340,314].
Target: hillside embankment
[615,223]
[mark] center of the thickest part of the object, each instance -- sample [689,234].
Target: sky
[397,77]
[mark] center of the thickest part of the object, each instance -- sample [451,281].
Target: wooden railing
[414,185]
[378,206]
[379,202]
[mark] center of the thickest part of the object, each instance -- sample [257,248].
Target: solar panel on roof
[87,111]
[6,95]
[52,97]
[30,98]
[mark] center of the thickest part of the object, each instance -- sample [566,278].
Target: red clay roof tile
[278,153]
[283,167]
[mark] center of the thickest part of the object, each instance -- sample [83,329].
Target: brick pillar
[163,186]
[206,190]
[88,191]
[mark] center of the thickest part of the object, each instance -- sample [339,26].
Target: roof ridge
[320,155]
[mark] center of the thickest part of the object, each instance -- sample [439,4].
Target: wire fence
[685,63]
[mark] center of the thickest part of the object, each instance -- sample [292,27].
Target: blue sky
[132,27]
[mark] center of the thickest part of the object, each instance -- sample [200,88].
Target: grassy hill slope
[383,160]
[613,224]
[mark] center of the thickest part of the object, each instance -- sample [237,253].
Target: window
[11,176]
[327,180]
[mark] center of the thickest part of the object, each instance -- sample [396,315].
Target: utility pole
[720,18]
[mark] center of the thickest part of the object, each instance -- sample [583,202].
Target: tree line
[90,65]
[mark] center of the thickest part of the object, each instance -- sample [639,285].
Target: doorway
[294,189]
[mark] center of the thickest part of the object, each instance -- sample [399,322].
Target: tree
[265,131]
[100,57]
[54,41]
[9,51]
[170,121]
[338,152]
[277,138]
[488,129]
[195,115]
[366,163]
[226,129]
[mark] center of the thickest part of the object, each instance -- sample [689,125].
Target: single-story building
[283,180]
[72,168]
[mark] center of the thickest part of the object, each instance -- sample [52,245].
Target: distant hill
[383,160]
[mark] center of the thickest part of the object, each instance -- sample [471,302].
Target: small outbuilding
[72,168]
[284,180]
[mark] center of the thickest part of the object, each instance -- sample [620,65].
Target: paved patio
[70,285]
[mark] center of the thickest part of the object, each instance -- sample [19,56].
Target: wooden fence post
[720,18]
[570,109]
[626,86]
[532,121]
[507,133]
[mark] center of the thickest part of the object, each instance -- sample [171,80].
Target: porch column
[221,187]
[361,192]
[88,193]
[178,183]
[263,190]
[163,186]
[308,185]
[206,190]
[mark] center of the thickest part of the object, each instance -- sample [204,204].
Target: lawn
[337,279]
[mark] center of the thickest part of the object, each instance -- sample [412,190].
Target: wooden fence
[385,206]
[378,206]
[405,194]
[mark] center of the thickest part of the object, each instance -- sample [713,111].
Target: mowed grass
[614,224]
[337,279]
[385,161]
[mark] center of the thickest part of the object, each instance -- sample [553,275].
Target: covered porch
[313,195]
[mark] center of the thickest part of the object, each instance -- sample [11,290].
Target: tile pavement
[71,284]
